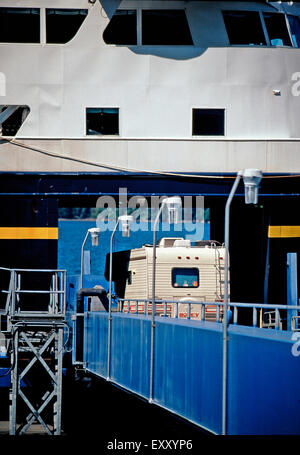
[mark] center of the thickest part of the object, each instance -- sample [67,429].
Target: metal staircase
[33,323]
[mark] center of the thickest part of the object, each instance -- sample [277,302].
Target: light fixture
[126,222]
[95,232]
[95,236]
[173,204]
[252,178]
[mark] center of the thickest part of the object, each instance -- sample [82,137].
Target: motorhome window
[185,278]
[165,27]
[277,29]
[244,27]
[208,122]
[14,122]
[295,29]
[19,25]
[122,29]
[102,121]
[129,277]
[63,24]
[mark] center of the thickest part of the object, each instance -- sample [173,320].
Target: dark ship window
[63,24]
[122,28]
[295,29]
[208,122]
[244,27]
[102,121]
[165,27]
[14,122]
[277,29]
[19,25]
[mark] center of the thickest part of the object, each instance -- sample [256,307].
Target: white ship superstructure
[164,86]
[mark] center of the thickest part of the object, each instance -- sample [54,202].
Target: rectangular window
[19,25]
[165,27]
[244,27]
[102,121]
[277,29]
[122,29]
[208,122]
[63,24]
[185,277]
[295,29]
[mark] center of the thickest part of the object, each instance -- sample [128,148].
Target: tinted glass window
[102,121]
[122,28]
[14,122]
[208,122]
[63,24]
[165,27]
[19,25]
[244,27]
[295,29]
[277,29]
[185,278]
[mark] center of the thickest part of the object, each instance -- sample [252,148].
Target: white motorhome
[183,273]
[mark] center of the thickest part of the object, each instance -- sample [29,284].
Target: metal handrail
[219,305]
[59,305]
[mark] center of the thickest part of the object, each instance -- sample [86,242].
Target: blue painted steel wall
[263,388]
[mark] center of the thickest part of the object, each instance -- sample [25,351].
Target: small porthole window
[208,122]
[102,121]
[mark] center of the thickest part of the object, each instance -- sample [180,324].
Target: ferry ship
[157,97]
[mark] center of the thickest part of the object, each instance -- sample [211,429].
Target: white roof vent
[182,243]
[168,242]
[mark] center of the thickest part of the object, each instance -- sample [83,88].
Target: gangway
[263,390]
[33,324]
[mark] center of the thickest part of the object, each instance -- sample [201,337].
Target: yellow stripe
[29,233]
[283,231]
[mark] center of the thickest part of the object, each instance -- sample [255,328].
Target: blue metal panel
[130,366]
[95,343]
[292,288]
[263,375]
[188,370]
[264,386]
[130,350]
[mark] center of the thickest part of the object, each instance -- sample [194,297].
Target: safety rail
[56,283]
[163,308]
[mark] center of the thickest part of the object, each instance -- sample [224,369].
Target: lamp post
[95,239]
[126,222]
[251,178]
[173,204]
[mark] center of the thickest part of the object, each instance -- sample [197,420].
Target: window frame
[187,268]
[197,136]
[139,31]
[264,27]
[99,134]
[30,43]
[260,13]
[43,26]
[287,26]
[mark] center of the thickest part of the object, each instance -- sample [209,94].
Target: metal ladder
[218,268]
[35,348]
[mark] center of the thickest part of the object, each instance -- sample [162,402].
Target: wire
[131,170]
[112,167]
